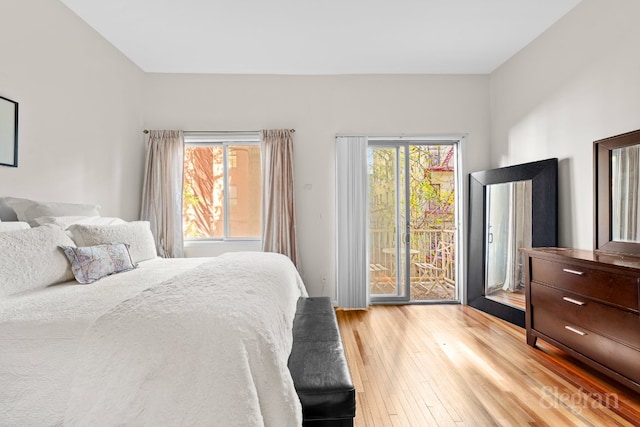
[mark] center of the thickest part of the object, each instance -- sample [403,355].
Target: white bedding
[42,331]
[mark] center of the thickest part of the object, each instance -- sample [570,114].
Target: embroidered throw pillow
[90,263]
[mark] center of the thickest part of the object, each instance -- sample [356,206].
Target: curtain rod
[221,131]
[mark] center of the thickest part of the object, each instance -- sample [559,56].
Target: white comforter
[41,332]
[208,347]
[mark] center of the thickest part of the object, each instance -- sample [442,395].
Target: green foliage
[431,187]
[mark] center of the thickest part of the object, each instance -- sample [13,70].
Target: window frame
[224,140]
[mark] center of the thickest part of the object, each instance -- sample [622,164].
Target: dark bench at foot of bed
[318,366]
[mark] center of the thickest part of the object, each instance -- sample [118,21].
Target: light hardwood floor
[452,365]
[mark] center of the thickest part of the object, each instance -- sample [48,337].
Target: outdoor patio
[420,291]
[432,261]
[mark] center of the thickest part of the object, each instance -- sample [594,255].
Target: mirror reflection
[625,183]
[508,228]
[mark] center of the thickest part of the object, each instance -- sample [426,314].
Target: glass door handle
[407,233]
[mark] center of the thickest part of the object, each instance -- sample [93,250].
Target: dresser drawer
[617,289]
[584,312]
[615,356]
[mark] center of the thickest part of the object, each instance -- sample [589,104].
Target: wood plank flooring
[514,299]
[452,365]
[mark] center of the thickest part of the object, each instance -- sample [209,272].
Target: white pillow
[6,212]
[65,222]
[136,234]
[18,205]
[13,225]
[32,259]
[28,210]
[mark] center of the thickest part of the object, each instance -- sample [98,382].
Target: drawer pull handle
[573,301]
[575,331]
[576,272]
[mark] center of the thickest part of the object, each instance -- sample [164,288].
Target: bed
[201,341]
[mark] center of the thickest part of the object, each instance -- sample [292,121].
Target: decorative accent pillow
[32,259]
[28,210]
[91,263]
[65,222]
[136,234]
[13,226]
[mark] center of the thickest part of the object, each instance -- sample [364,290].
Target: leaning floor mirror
[509,208]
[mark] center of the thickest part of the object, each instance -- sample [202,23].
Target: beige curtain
[278,208]
[162,191]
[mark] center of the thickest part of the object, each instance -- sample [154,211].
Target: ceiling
[320,36]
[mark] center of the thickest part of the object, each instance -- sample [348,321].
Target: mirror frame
[544,226]
[603,232]
[13,119]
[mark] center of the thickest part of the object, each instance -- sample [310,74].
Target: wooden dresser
[587,304]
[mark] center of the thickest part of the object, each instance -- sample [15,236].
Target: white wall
[577,83]
[83,106]
[319,107]
[80,124]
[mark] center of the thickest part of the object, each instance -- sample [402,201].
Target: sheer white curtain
[351,222]
[518,233]
[162,191]
[278,205]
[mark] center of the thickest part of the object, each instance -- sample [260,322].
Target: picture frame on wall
[8,132]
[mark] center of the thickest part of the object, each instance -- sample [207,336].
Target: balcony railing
[432,262]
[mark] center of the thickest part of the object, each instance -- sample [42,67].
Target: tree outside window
[222,202]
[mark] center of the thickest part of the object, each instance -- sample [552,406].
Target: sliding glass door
[387,221]
[412,189]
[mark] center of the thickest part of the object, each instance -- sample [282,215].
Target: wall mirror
[617,194]
[509,208]
[8,132]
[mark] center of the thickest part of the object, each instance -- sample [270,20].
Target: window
[222,186]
